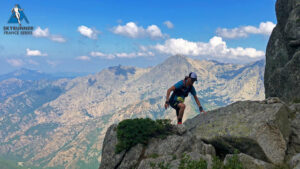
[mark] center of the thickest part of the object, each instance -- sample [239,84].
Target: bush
[131,132]
[187,163]
[296,100]
[232,163]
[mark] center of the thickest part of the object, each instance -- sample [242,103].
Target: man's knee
[182,106]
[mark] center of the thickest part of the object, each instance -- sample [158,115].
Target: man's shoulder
[179,84]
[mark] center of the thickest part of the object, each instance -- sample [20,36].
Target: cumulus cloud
[39,32]
[265,28]
[45,33]
[215,48]
[169,24]
[35,53]
[15,62]
[133,31]
[121,55]
[88,32]
[84,58]
[57,38]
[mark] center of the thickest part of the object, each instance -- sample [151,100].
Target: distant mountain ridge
[62,123]
[28,74]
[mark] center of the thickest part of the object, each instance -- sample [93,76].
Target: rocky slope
[262,131]
[282,74]
[62,123]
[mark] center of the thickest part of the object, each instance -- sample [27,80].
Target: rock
[132,157]
[172,162]
[180,129]
[163,160]
[158,150]
[255,128]
[282,71]
[250,162]
[109,158]
[294,144]
[295,161]
[178,145]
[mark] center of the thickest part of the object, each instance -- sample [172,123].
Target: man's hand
[201,109]
[167,104]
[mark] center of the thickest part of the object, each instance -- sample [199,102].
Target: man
[15,11]
[181,90]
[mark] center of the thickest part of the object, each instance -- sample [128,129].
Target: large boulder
[257,128]
[282,71]
[295,162]
[250,162]
[109,158]
[294,144]
[167,151]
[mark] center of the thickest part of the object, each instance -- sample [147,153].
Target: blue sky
[87,36]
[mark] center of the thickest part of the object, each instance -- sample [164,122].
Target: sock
[179,121]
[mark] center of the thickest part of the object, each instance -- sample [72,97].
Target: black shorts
[174,104]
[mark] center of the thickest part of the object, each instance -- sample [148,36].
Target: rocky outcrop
[295,162]
[261,130]
[258,128]
[167,151]
[294,144]
[250,162]
[282,72]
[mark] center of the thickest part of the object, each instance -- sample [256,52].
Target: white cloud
[57,38]
[169,24]
[215,48]
[84,58]
[35,53]
[121,55]
[133,31]
[40,33]
[154,32]
[265,28]
[88,32]
[15,62]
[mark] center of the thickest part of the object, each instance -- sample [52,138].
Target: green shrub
[187,163]
[296,100]
[232,163]
[160,165]
[217,163]
[131,132]
[154,155]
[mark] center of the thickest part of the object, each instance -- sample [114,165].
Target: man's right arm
[168,95]
[169,91]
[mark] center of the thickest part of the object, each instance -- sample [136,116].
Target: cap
[193,76]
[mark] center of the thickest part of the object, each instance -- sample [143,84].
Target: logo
[18,17]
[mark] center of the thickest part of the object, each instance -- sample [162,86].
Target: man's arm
[169,91]
[199,104]
[168,95]
[197,100]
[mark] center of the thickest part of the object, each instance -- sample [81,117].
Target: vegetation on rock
[131,132]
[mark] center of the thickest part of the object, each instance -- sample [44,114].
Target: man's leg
[181,112]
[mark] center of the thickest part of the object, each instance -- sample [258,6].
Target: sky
[87,36]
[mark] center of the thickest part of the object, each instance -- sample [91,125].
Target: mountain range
[61,122]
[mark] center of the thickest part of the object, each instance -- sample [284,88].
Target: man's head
[192,78]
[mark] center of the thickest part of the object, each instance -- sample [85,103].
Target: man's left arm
[193,91]
[199,104]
